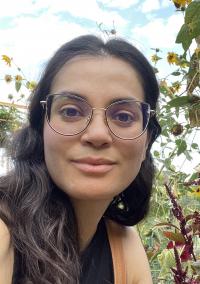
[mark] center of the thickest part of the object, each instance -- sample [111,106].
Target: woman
[83,159]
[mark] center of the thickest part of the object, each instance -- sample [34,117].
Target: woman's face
[95,164]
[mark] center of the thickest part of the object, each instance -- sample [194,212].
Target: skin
[99,80]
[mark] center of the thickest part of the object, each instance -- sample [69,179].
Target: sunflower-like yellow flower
[8,78]
[182,3]
[176,86]
[172,58]
[155,58]
[7,59]
[195,191]
[31,85]
[18,78]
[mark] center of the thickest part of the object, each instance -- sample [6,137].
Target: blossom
[172,58]
[31,85]
[182,3]
[18,78]
[155,58]
[176,86]
[7,60]
[8,78]
[195,191]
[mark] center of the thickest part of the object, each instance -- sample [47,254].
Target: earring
[119,202]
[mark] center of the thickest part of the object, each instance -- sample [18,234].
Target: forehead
[99,77]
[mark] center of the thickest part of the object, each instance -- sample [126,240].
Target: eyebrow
[82,97]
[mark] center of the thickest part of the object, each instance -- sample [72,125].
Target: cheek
[51,147]
[133,156]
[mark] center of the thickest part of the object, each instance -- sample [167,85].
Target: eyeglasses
[68,114]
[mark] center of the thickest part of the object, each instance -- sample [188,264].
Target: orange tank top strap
[115,232]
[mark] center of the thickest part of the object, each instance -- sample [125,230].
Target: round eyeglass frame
[150,112]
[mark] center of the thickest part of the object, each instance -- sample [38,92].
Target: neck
[88,214]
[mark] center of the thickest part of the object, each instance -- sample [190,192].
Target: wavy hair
[39,215]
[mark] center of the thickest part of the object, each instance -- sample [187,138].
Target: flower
[172,58]
[195,191]
[7,60]
[155,58]
[181,3]
[176,86]
[31,85]
[18,78]
[8,78]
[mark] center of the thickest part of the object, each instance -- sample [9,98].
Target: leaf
[156,153]
[184,37]
[176,237]
[195,146]
[18,85]
[188,156]
[179,102]
[192,12]
[182,146]
[176,73]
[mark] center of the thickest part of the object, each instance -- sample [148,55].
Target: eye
[124,117]
[70,112]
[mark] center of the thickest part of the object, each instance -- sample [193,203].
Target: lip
[94,165]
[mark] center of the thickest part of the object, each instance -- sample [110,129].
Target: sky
[32,30]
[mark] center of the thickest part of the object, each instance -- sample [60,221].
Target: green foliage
[191,27]
[10,120]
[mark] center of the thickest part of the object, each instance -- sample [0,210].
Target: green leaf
[184,37]
[18,85]
[195,146]
[156,154]
[176,73]
[195,28]
[188,156]
[182,146]
[179,102]
[192,12]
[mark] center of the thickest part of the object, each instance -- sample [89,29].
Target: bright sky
[31,30]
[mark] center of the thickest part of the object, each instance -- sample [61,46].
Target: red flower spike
[186,254]
[170,245]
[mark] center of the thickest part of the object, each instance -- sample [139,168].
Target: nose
[97,133]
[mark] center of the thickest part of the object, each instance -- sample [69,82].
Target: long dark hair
[39,215]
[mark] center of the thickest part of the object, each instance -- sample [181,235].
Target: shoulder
[6,254]
[138,270]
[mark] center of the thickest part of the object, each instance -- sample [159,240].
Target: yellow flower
[172,58]
[155,58]
[195,191]
[182,3]
[31,85]
[176,86]
[8,78]
[18,78]
[7,59]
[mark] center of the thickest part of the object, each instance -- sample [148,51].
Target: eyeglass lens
[70,115]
